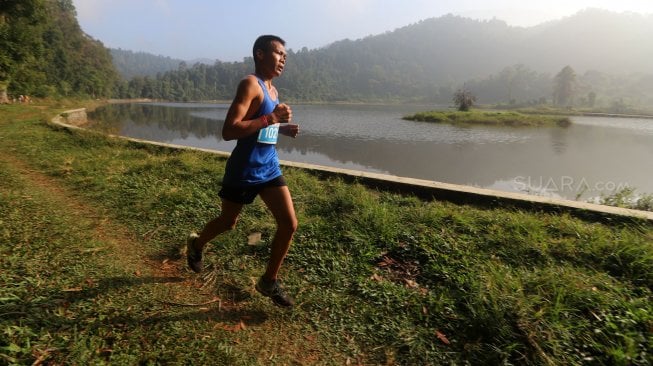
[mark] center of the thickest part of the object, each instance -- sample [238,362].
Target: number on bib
[269,135]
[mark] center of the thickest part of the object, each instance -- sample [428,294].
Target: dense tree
[515,85]
[43,51]
[21,46]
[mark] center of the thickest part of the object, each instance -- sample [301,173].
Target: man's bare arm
[248,98]
[236,124]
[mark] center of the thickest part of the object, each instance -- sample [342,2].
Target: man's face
[274,60]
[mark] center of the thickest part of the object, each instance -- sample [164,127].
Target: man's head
[269,56]
[264,43]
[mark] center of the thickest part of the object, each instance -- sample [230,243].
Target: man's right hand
[281,114]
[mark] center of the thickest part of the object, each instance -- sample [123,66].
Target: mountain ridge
[518,39]
[428,60]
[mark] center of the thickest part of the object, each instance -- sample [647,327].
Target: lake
[593,156]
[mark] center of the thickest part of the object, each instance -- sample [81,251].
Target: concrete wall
[74,117]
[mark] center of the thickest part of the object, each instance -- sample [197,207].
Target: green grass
[506,118]
[379,278]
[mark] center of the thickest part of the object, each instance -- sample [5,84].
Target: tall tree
[464,99]
[564,86]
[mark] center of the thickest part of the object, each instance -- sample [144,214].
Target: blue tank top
[254,160]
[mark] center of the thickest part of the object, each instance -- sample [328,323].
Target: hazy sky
[226,29]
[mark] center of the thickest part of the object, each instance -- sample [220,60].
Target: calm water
[593,156]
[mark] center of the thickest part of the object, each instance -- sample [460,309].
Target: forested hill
[455,48]
[130,63]
[428,60]
[43,52]
[433,56]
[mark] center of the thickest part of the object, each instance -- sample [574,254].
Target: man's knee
[294,225]
[230,222]
[289,226]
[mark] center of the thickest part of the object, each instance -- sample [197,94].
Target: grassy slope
[90,241]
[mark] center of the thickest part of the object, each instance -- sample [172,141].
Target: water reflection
[156,122]
[558,140]
[586,159]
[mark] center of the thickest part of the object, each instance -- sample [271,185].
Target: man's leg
[195,243]
[279,202]
[225,222]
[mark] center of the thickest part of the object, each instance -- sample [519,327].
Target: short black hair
[265,43]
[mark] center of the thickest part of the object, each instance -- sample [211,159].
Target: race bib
[269,135]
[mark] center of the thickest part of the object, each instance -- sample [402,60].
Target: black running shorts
[247,194]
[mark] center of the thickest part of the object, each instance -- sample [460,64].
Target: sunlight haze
[225,30]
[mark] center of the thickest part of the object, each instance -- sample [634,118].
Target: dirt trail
[128,249]
[119,239]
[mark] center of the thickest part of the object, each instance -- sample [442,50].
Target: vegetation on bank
[628,198]
[91,236]
[503,118]
[44,53]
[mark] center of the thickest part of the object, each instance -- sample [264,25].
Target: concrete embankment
[73,117]
[422,188]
